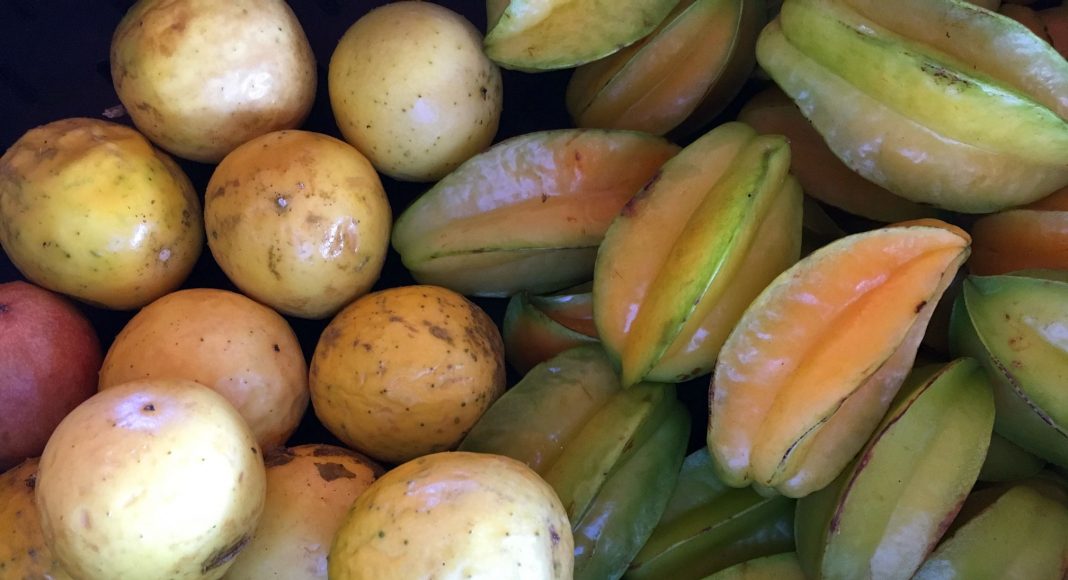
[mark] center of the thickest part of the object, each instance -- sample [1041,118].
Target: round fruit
[406,371]
[23,552]
[298,221]
[242,349]
[455,515]
[200,77]
[49,357]
[309,490]
[412,89]
[90,209]
[151,479]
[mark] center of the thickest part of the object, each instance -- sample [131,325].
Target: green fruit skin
[1012,325]
[1016,531]
[709,526]
[885,513]
[612,455]
[778,567]
[1006,461]
[650,474]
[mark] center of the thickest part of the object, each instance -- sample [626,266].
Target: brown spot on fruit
[553,535]
[332,471]
[279,456]
[224,555]
[438,332]
[920,306]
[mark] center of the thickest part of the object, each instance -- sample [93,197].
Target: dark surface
[54,65]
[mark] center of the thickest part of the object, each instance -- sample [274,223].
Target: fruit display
[611,454]
[523,289]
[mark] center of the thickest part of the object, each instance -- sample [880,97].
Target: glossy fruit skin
[529,213]
[200,77]
[1034,236]
[822,175]
[708,526]
[309,489]
[887,510]
[148,478]
[683,73]
[537,328]
[298,221]
[1008,531]
[1009,323]
[536,35]
[49,358]
[406,371]
[977,121]
[812,366]
[254,360]
[411,88]
[692,249]
[90,209]
[501,521]
[611,454]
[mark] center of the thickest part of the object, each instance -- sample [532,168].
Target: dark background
[54,65]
